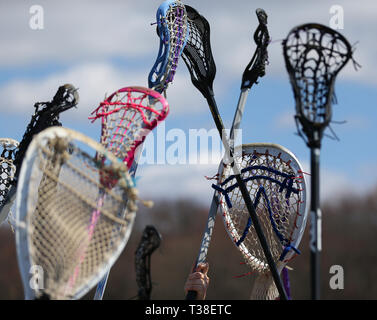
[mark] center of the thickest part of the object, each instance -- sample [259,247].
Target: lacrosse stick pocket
[62,224]
[277,188]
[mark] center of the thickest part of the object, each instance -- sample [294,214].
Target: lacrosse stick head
[173,32]
[257,65]
[70,227]
[128,115]
[46,115]
[65,98]
[314,54]
[277,187]
[7,168]
[197,53]
[150,241]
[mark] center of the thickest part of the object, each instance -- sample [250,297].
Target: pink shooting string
[95,217]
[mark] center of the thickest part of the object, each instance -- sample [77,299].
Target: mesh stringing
[75,221]
[314,56]
[197,53]
[173,32]
[275,189]
[127,118]
[150,241]
[176,23]
[7,168]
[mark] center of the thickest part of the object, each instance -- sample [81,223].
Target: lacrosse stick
[62,173]
[127,116]
[254,70]
[173,32]
[314,54]
[46,115]
[275,181]
[7,169]
[199,60]
[150,241]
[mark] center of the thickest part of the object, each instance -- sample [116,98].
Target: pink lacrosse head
[127,116]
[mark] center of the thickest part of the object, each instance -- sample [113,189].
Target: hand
[198,281]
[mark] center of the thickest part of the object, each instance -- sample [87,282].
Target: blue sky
[101,46]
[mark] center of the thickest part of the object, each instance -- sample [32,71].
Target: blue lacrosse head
[166,51]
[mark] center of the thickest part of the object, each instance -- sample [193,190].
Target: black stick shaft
[315,225]
[246,196]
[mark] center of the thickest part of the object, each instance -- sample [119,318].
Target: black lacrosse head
[46,115]
[6,167]
[257,65]
[197,53]
[314,54]
[150,241]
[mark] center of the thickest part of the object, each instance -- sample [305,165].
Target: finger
[202,282]
[200,288]
[196,275]
[203,268]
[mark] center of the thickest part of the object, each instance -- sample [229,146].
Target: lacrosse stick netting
[150,241]
[173,32]
[197,53]
[7,167]
[46,115]
[127,116]
[314,54]
[276,184]
[62,175]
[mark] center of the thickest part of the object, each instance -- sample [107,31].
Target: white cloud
[178,181]
[84,31]
[94,80]
[76,30]
[188,181]
[233,25]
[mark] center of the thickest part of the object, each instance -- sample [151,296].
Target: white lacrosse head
[75,210]
[277,187]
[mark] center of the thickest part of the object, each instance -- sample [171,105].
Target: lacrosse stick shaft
[202,255]
[247,199]
[315,225]
[208,232]
[239,113]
